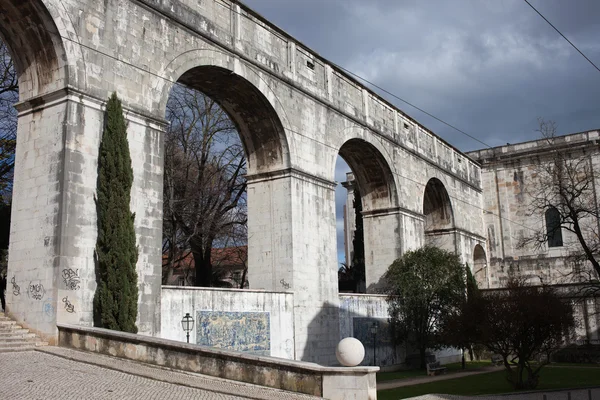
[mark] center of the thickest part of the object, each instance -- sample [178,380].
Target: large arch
[439,225]
[29,31]
[257,122]
[263,138]
[373,174]
[266,147]
[374,181]
[244,93]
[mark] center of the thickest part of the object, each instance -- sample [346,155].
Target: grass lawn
[554,377]
[411,373]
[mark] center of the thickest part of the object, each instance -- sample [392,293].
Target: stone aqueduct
[295,112]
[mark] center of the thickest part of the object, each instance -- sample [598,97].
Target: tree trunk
[422,354]
[244,274]
[203,268]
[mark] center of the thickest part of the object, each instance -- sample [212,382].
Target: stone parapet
[296,376]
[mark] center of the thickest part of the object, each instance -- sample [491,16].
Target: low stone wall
[296,376]
[253,321]
[357,314]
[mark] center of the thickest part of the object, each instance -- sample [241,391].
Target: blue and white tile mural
[249,332]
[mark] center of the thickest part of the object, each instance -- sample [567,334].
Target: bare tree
[525,325]
[563,193]
[204,183]
[9,95]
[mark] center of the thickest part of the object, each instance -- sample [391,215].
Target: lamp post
[374,328]
[187,323]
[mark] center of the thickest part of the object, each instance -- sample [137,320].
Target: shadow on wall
[377,287]
[357,316]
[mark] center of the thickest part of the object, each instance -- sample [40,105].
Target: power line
[564,37]
[411,104]
[396,97]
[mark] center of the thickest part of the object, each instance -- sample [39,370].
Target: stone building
[524,237]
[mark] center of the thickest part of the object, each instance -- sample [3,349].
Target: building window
[181,281]
[553,230]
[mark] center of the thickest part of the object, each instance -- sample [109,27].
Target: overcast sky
[490,68]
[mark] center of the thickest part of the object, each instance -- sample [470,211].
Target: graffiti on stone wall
[15,288]
[249,332]
[36,291]
[69,307]
[71,278]
[285,285]
[48,308]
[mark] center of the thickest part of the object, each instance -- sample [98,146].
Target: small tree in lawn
[115,300]
[524,324]
[462,328]
[424,287]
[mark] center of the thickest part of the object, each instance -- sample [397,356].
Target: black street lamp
[187,323]
[374,328]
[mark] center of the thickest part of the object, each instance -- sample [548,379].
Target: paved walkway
[58,373]
[426,379]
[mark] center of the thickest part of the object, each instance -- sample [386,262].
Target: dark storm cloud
[490,68]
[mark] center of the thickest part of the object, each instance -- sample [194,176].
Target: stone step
[8,328]
[18,338]
[17,343]
[16,331]
[13,337]
[17,348]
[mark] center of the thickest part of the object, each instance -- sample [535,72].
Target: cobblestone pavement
[426,379]
[57,373]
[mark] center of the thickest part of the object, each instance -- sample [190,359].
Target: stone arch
[374,177]
[438,215]
[29,31]
[245,96]
[374,180]
[480,267]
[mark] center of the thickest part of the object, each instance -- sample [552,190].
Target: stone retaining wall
[302,377]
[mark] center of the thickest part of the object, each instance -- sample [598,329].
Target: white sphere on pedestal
[350,352]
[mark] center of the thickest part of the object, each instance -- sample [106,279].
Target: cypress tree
[358,244]
[116,297]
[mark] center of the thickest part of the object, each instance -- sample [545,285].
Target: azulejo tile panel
[249,332]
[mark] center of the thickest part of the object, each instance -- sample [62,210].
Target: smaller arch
[437,208]
[438,216]
[553,227]
[373,174]
[480,267]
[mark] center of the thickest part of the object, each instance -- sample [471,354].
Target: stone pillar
[383,244]
[349,217]
[36,212]
[53,227]
[292,247]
